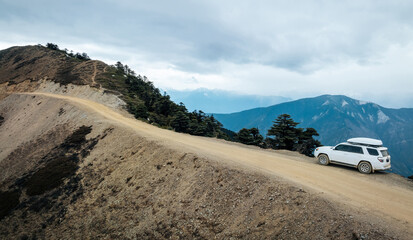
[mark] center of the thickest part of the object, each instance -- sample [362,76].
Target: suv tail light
[381,159]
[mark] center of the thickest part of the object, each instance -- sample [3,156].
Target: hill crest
[33,63]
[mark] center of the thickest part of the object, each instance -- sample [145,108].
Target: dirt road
[391,201]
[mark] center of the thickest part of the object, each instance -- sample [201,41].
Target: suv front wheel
[364,167]
[323,159]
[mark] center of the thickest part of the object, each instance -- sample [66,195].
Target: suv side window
[341,148]
[356,149]
[373,152]
[348,148]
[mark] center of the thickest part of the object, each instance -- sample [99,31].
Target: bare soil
[142,182]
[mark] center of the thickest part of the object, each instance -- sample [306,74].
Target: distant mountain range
[219,101]
[337,118]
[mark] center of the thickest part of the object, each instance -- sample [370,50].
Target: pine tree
[139,110]
[284,132]
[306,143]
[250,137]
[180,122]
[52,46]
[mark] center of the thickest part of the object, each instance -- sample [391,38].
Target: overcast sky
[362,49]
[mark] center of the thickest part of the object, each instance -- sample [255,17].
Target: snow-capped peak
[381,117]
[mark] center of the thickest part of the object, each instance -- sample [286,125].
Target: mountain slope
[33,63]
[337,118]
[134,180]
[76,165]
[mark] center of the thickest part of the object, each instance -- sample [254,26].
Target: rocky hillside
[33,63]
[72,172]
[338,118]
[69,174]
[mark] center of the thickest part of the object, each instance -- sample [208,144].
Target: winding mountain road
[369,193]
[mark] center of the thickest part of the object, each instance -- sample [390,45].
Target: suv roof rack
[370,142]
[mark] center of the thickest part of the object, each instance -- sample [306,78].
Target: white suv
[365,154]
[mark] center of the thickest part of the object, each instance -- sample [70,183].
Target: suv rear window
[373,152]
[384,153]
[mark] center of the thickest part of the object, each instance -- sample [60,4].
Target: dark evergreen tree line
[80,56]
[282,135]
[159,109]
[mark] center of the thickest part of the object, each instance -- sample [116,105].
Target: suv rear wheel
[323,159]
[364,167]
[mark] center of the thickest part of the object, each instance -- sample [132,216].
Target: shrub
[8,201]
[51,175]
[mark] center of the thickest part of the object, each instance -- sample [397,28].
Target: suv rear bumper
[382,168]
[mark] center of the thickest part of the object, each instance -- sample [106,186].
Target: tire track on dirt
[94,74]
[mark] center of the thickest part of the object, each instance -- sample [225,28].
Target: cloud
[265,47]
[387,82]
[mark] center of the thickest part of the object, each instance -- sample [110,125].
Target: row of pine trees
[283,134]
[159,109]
